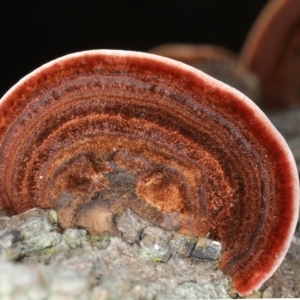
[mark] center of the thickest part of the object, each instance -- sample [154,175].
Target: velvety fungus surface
[272,51]
[94,132]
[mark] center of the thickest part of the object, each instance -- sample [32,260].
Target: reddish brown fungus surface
[215,61]
[272,51]
[94,132]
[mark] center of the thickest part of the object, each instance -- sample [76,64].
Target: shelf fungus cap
[95,132]
[271,51]
[215,61]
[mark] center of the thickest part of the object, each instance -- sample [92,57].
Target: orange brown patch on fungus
[95,132]
[272,51]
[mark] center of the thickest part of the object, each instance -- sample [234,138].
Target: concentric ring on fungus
[94,132]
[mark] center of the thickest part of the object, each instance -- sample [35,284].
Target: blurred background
[33,33]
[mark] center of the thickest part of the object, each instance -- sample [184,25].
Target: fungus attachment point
[95,132]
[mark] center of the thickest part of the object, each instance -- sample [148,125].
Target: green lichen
[102,241]
[155,259]
[48,251]
[52,217]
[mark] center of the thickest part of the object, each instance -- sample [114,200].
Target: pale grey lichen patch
[4,221]
[108,267]
[31,223]
[21,282]
[192,290]
[155,244]
[73,265]
[100,241]
[29,233]
[74,237]
[183,244]
[130,225]
[27,216]
[39,281]
[10,236]
[41,242]
[268,293]
[159,278]
[65,283]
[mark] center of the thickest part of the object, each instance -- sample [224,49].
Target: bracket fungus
[94,132]
[215,61]
[272,52]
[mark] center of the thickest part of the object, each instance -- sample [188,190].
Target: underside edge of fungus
[94,132]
